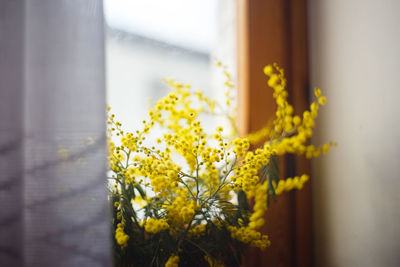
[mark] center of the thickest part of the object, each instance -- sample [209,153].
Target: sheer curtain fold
[53,198]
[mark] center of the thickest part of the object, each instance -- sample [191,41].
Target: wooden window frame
[276,31]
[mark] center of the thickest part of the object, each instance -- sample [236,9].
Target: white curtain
[53,197]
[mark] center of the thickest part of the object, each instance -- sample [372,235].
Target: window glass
[155,39]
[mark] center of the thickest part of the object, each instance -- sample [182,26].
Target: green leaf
[242,200]
[141,191]
[270,173]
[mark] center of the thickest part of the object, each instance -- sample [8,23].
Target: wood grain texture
[276,31]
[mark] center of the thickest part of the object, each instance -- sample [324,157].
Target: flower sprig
[194,184]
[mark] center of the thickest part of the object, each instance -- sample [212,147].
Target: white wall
[355,59]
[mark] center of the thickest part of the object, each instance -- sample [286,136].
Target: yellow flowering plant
[181,198]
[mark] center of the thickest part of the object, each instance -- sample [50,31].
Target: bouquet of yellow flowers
[180,193]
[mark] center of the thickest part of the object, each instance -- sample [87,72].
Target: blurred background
[354,52]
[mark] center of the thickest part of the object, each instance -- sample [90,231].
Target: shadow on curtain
[53,199]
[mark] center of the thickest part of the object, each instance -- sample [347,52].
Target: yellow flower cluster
[162,173]
[173,261]
[284,119]
[182,209]
[289,132]
[260,206]
[291,183]
[192,174]
[154,226]
[249,234]
[120,236]
[246,176]
[260,135]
